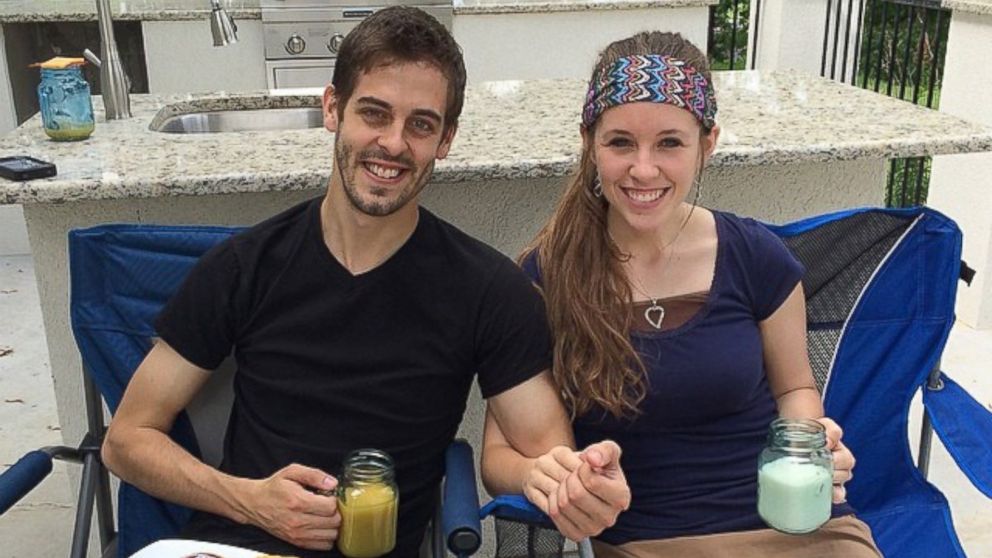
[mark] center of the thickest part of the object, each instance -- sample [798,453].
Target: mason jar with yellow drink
[368,500]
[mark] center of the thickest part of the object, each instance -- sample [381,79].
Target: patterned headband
[654,78]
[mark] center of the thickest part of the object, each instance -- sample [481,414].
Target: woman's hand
[592,496]
[843,458]
[582,492]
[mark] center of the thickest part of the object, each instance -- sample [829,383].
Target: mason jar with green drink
[795,477]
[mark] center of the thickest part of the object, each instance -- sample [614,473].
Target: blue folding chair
[880,289]
[880,286]
[523,531]
[120,277]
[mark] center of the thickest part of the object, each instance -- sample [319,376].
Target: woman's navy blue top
[691,456]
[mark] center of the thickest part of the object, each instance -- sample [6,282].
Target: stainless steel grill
[302,37]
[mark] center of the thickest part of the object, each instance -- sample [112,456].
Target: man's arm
[139,450]
[522,424]
[527,447]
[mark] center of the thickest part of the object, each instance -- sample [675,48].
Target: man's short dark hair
[400,34]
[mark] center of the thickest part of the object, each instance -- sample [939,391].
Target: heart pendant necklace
[655,314]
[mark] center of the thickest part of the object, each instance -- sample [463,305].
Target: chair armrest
[460,501]
[965,428]
[516,507]
[22,477]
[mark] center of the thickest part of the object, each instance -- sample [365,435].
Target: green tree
[729,41]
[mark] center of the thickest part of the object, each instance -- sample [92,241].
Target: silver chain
[655,308]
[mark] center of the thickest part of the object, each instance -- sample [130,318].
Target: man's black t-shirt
[328,362]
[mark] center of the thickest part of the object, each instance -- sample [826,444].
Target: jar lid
[59,63]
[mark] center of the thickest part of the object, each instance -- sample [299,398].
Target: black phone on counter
[25,168]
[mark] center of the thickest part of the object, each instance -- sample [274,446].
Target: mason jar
[368,500]
[66,105]
[795,476]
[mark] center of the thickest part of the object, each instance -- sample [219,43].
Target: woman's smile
[646,198]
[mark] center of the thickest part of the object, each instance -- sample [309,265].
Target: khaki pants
[842,537]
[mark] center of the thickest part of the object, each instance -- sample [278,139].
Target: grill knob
[296,44]
[335,43]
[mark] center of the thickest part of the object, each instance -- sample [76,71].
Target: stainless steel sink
[241,120]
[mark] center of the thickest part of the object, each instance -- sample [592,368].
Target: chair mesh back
[515,539]
[840,258]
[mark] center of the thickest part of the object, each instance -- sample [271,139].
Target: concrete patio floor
[41,524]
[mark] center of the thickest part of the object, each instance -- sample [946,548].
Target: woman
[679,331]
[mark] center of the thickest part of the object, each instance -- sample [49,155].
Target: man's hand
[593,494]
[843,458]
[286,506]
[549,471]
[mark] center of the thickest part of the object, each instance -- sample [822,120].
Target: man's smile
[385,172]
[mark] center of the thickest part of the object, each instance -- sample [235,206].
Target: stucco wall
[236,67]
[960,184]
[791,36]
[8,119]
[559,44]
[13,234]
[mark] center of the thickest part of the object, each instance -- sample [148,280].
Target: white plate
[181,548]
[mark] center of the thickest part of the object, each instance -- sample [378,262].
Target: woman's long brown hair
[586,291]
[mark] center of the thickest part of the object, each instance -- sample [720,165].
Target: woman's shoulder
[755,247]
[738,224]
[745,232]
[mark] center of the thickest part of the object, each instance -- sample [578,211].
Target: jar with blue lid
[66,104]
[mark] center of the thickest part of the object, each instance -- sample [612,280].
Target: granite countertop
[176,10]
[509,130]
[973,6]
[85,10]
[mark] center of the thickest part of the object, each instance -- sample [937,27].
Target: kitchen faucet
[221,25]
[114,84]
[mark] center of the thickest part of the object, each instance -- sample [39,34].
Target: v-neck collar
[342,273]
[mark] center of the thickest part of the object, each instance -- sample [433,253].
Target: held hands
[582,492]
[286,506]
[550,470]
[843,458]
[593,496]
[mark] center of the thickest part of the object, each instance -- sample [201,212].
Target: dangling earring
[698,185]
[597,187]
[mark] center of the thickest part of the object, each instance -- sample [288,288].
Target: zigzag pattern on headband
[652,78]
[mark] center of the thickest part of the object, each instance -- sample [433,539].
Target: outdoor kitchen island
[791,145]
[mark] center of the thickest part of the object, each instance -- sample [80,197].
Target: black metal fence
[727,43]
[898,50]
[893,47]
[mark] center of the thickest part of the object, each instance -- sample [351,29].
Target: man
[356,320]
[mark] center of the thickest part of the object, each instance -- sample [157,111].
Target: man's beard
[374,207]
